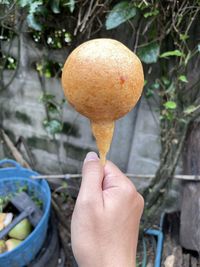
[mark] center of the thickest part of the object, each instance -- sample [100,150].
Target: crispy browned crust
[103,79]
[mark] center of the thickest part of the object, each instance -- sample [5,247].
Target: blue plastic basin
[11,179]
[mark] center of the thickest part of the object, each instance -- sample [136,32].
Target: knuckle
[129,189]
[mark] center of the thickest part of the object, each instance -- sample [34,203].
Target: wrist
[112,263]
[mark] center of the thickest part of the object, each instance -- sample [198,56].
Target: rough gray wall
[145,147]
[135,147]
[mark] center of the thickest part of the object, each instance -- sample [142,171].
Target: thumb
[92,177]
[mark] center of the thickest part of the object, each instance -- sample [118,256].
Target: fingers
[111,168]
[96,179]
[92,177]
[113,177]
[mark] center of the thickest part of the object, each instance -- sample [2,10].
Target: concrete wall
[135,147]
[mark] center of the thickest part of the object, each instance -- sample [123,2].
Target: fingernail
[91,156]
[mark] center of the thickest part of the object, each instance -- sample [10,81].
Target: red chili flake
[122,79]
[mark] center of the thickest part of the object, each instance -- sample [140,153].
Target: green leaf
[71,5]
[149,92]
[11,63]
[6,2]
[141,4]
[152,13]
[39,68]
[24,3]
[169,116]
[120,13]
[55,6]
[180,19]
[191,109]
[47,73]
[45,98]
[32,23]
[33,7]
[149,53]
[53,126]
[155,85]
[183,37]
[68,37]
[165,80]
[198,47]
[170,105]
[174,53]
[183,78]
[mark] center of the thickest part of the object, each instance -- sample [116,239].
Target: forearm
[102,261]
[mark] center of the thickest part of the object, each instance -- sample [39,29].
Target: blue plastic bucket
[12,178]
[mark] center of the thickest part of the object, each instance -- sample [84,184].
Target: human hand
[105,221]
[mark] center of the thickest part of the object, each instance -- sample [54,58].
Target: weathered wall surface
[135,147]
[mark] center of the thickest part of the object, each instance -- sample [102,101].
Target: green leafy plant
[120,13]
[37,8]
[52,126]
[149,53]
[11,63]
[170,105]
[164,38]
[53,123]
[174,53]
[49,69]
[34,8]
[183,78]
